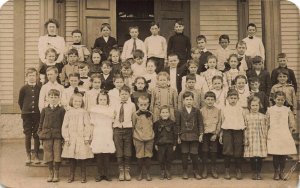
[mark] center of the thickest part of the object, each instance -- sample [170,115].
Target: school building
[22,22]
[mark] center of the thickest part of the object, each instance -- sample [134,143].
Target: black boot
[276,175]
[50,167]
[204,173]
[140,169]
[127,169]
[56,172]
[83,171]
[148,164]
[72,170]
[227,174]
[100,164]
[214,172]
[106,175]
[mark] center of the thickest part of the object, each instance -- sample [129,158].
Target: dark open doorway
[134,13]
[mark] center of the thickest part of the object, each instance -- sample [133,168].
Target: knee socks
[227,161]
[184,157]
[195,161]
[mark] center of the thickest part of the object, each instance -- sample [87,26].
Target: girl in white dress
[280,142]
[102,116]
[220,91]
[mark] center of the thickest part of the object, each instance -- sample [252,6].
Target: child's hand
[179,140]
[201,138]
[156,147]
[213,138]
[174,148]
[221,140]
[86,142]
[67,143]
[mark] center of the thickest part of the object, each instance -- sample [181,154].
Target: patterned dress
[256,135]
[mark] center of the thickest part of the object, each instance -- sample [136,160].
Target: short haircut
[105,25]
[192,62]
[217,77]
[251,25]
[172,55]
[212,56]
[76,31]
[232,55]
[127,64]
[281,55]
[75,74]
[190,77]
[113,51]
[125,88]
[254,98]
[54,92]
[94,76]
[133,27]
[283,71]
[257,59]
[140,78]
[200,37]
[279,93]
[179,22]
[76,95]
[232,92]
[138,54]
[83,65]
[51,50]
[106,62]
[103,92]
[54,68]
[194,49]
[241,43]
[188,94]
[151,59]
[143,98]
[31,70]
[163,74]
[117,76]
[51,20]
[224,37]
[210,94]
[73,51]
[254,79]
[154,24]
[240,77]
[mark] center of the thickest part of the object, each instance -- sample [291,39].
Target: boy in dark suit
[105,43]
[28,102]
[244,61]
[180,44]
[263,75]
[106,76]
[190,133]
[176,72]
[204,53]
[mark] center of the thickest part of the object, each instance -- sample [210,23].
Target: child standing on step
[232,134]
[143,136]
[212,124]
[102,116]
[165,141]
[52,118]
[255,135]
[280,142]
[28,102]
[76,131]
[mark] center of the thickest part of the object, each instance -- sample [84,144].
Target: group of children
[160,97]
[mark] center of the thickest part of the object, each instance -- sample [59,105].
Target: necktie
[134,46]
[201,53]
[146,113]
[250,37]
[121,116]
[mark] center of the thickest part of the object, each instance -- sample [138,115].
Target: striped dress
[256,135]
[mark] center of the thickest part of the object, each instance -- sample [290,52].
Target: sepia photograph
[149,93]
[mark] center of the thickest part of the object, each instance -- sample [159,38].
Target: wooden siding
[6,52]
[255,15]
[72,21]
[32,33]
[217,18]
[290,36]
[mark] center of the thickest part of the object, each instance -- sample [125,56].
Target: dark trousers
[279,162]
[195,161]
[102,163]
[233,142]
[123,142]
[160,64]
[256,164]
[165,156]
[30,127]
